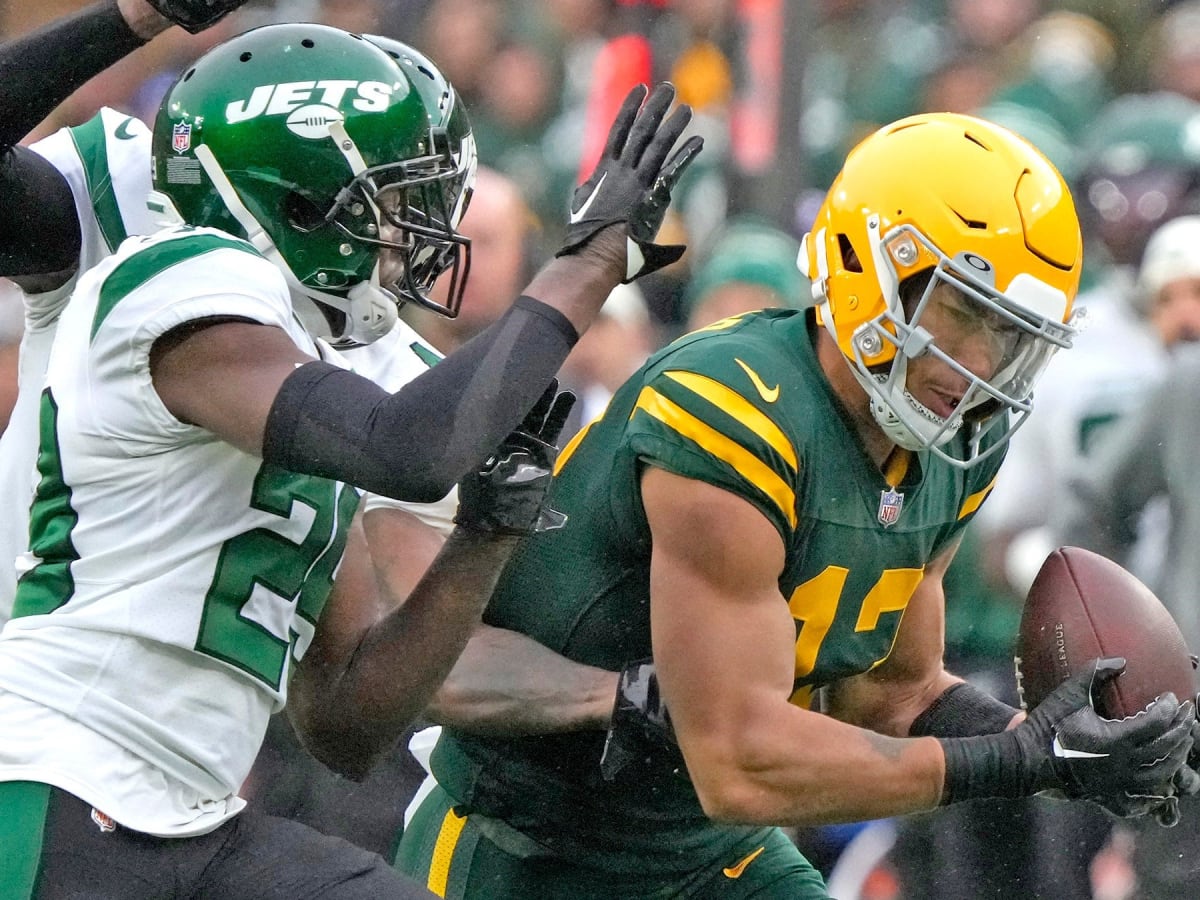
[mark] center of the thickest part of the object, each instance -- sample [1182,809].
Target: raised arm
[39,71]
[315,418]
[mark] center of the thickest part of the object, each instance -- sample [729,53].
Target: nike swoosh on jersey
[736,871]
[577,216]
[123,133]
[770,395]
[1067,753]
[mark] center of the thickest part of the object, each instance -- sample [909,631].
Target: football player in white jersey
[105,164]
[166,382]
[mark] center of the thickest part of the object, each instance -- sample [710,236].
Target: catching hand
[640,720]
[1130,766]
[633,180]
[195,15]
[507,495]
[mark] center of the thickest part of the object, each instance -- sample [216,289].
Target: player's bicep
[723,638]
[224,375]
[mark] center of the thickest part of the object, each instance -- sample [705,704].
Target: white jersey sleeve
[106,163]
[172,580]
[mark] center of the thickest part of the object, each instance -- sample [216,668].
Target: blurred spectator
[1149,461]
[751,266]
[1068,62]
[868,58]
[1151,454]
[463,36]
[1172,53]
[1139,165]
[961,81]
[500,227]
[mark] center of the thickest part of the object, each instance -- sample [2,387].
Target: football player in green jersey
[767,509]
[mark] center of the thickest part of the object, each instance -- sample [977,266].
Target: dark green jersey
[744,406]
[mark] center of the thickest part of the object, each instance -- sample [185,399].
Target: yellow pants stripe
[443,852]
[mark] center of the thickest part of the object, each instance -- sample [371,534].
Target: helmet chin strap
[370,311]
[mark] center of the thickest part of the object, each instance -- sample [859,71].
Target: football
[1081,606]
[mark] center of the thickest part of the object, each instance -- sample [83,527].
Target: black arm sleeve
[39,71]
[962,710]
[417,443]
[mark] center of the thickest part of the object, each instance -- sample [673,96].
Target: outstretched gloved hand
[633,180]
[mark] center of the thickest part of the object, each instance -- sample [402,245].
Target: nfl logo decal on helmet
[181,137]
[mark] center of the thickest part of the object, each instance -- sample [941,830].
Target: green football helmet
[318,148]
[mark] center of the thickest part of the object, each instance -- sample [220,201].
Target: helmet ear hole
[911,289]
[302,213]
[850,260]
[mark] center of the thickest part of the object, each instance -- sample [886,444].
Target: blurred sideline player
[1139,168]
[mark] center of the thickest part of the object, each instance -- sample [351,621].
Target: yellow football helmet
[976,206]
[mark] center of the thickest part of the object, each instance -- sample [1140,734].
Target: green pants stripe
[23,806]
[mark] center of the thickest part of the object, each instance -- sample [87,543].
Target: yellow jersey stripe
[742,460]
[443,852]
[572,445]
[734,404]
[972,503]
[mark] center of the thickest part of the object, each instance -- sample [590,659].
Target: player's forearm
[41,69]
[506,683]
[808,770]
[356,711]
[885,705]
[577,285]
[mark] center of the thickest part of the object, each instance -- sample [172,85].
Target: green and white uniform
[106,162]
[742,405]
[172,578]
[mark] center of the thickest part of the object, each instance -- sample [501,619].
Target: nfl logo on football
[181,137]
[890,504]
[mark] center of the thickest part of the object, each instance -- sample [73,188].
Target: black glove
[1128,765]
[507,495]
[640,722]
[632,183]
[195,15]
[1186,783]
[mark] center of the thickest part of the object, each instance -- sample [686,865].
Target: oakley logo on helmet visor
[286,98]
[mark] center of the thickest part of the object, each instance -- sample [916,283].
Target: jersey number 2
[248,617]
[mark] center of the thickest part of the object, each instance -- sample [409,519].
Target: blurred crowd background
[1108,89]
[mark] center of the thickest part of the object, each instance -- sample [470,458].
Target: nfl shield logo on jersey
[890,504]
[181,137]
